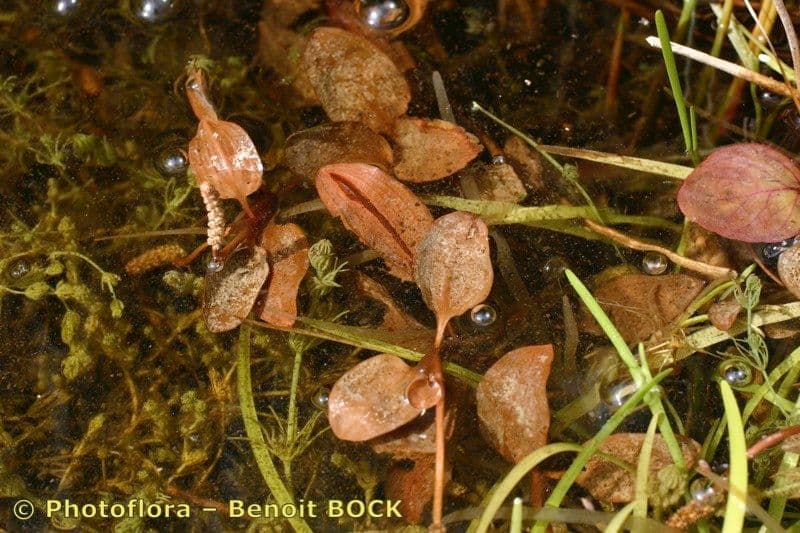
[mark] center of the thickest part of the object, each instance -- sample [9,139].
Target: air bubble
[616,393]
[483,315]
[19,268]
[66,8]
[702,490]
[498,160]
[382,14]
[320,399]
[554,268]
[736,373]
[214,265]
[154,11]
[654,263]
[170,161]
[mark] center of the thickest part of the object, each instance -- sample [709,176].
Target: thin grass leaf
[737,477]
[639,504]
[675,83]
[618,522]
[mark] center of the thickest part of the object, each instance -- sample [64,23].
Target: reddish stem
[771,440]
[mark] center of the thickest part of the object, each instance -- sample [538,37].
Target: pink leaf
[747,192]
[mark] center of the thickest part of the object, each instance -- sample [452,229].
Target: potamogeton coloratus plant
[453,269]
[222,156]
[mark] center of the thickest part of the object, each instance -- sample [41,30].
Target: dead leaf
[353,79]
[370,400]
[453,267]
[380,210]
[526,161]
[723,314]
[639,304]
[609,483]
[339,142]
[287,252]
[416,438]
[512,401]
[497,181]
[230,292]
[431,149]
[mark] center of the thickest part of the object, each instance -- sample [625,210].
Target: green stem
[255,436]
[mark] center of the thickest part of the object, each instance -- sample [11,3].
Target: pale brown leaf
[338,142]
[287,252]
[609,483]
[431,149]
[512,401]
[496,181]
[639,304]
[380,210]
[723,314]
[231,291]
[453,267]
[789,269]
[354,79]
[369,400]
[526,161]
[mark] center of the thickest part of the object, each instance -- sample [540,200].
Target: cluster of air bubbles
[382,14]
[554,268]
[736,372]
[215,265]
[170,161]
[772,250]
[18,268]
[483,315]
[654,263]
[320,399]
[154,11]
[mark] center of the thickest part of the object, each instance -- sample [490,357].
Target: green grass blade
[737,478]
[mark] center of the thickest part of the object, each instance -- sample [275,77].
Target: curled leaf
[287,251]
[453,267]
[369,400]
[380,210]
[610,483]
[748,192]
[431,149]
[221,153]
[512,401]
[639,304]
[339,142]
[354,79]
[231,291]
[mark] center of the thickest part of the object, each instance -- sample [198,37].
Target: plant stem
[252,428]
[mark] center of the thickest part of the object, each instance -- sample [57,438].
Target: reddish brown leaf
[610,483]
[453,267]
[354,79]
[413,486]
[639,304]
[380,210]
[221,153]
[512,401]
[339,142]
[369,400]
[748,191]
[230,292]
[287,251]
[431,149]
[723,314]
[415,438]
[496,181]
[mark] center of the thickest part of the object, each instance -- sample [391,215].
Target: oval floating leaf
[512,401]
[431,149]
[287,250]
[369,400]
[748,192]
[354,79]
[231,291]
[453,267]
[380,210]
